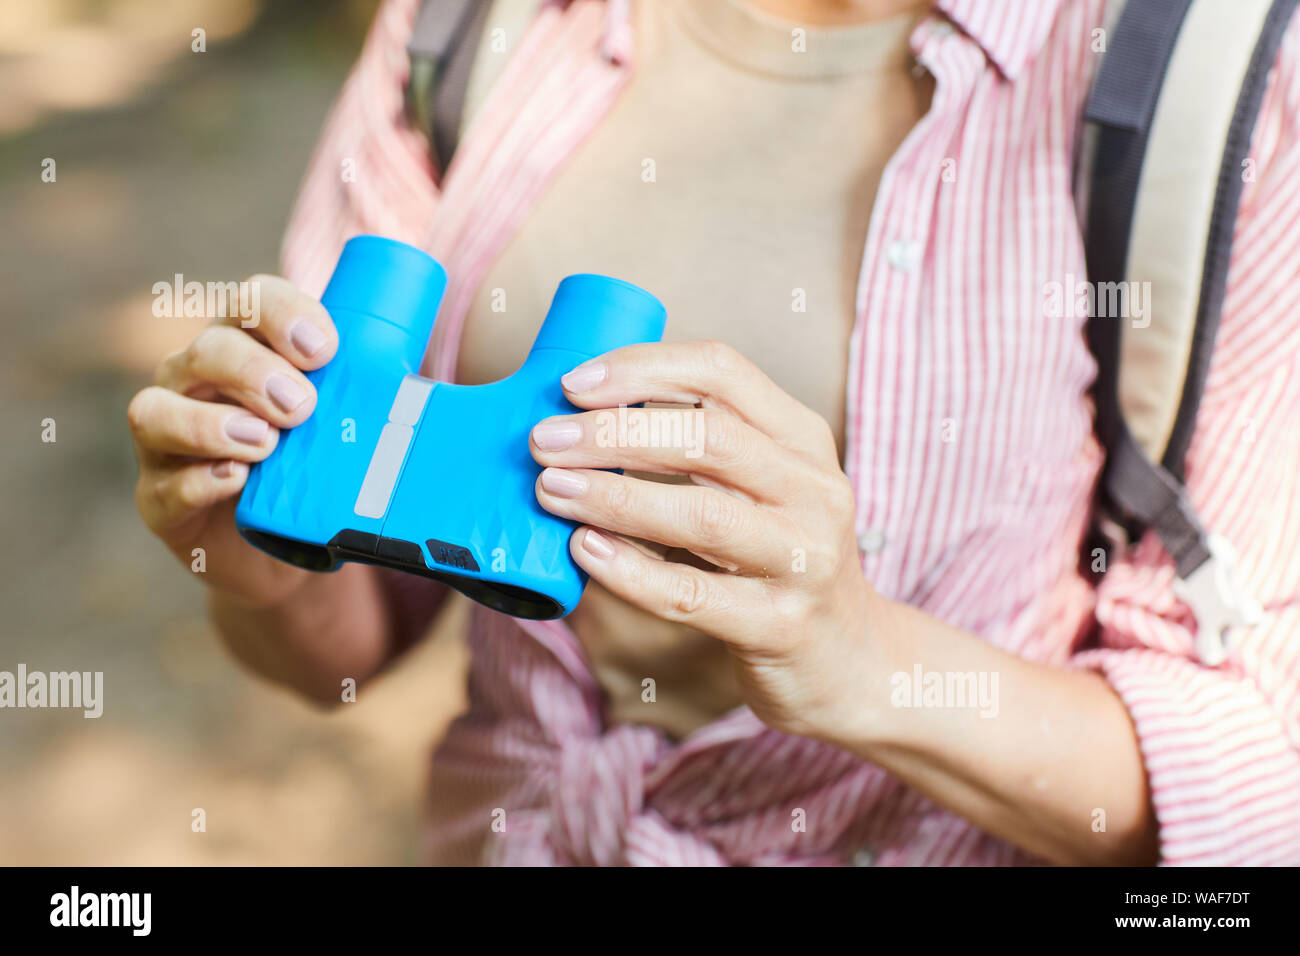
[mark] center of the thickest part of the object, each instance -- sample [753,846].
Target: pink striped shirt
[982,531]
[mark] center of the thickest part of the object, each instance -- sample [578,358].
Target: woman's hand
[767,506]
[817,648]
[215,407]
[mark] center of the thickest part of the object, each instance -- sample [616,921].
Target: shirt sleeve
[1222,746]
[370,172]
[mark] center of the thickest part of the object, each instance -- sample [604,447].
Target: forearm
[330,627]
[1037,763]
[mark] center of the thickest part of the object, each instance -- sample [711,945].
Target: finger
[166,423]
[710,374]
[168,495]
[288,320]
[712,446]
[715,603]
[225,361]
[721,528]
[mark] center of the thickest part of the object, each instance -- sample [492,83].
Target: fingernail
[223,469]
[566,484]
[285,392]
[597,545]
[556,436]
[584,378]
[246,428]
[306,338]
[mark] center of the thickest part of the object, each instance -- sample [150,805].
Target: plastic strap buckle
[1214,593]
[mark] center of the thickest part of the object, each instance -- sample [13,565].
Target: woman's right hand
[215,407]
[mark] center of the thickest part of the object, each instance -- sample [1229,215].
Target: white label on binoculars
[408,406]
[390,451]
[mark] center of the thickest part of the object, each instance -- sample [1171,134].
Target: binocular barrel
[383,297]
[591,315]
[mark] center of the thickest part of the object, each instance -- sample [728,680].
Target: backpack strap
[1168,151]
[442,49]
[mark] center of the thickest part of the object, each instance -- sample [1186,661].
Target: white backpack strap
[1173,107]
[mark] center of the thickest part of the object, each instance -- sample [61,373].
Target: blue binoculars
[431,478]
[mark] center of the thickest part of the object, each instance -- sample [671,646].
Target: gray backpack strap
[442,49]
[1170,140]
[1134,491]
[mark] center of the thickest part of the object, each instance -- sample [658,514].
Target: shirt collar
[1010,32]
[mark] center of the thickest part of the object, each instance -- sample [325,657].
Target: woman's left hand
[767,504]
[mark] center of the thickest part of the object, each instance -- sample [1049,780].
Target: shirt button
[904,254]
[871,541]
[864,857]
[942,30]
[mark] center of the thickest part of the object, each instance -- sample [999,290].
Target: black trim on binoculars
[367,548]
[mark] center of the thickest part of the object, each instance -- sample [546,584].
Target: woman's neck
[836,12]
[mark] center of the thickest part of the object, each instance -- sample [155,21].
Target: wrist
[268,586]
[862,716]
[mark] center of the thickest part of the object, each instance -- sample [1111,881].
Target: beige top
[734,179]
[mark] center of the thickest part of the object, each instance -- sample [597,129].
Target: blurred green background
[167,161]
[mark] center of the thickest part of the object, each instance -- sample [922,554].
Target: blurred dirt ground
[167,161]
